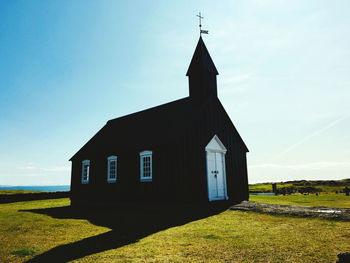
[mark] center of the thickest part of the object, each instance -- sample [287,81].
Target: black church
[187,150]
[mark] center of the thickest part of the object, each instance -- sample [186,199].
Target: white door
[216,177]
[220,175]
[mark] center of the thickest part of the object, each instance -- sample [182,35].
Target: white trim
[142,156]
[206,162]
[222,146]
[109,159]
[224,171]
[209,149]
[145,153]
[83,163]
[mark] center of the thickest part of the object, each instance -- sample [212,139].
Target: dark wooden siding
[213,120]
[179,167]
[165,177]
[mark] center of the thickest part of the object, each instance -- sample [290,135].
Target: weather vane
[200,25]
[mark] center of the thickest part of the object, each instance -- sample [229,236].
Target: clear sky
[66,67]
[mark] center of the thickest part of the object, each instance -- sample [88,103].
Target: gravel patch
[294,210]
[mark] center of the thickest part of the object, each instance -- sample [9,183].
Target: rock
[344,258]
[294,210]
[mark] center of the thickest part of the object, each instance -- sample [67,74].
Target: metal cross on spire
[200,25]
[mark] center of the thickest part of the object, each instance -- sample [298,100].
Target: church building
[187,150]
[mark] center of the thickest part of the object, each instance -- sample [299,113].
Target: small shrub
[24,252]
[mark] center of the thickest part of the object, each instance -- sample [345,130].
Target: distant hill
[343,182]
[303,185]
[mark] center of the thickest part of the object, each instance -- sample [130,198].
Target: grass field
[323,199]
[48,230]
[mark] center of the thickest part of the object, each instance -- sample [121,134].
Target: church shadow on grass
[128,224]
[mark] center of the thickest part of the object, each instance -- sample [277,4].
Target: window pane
[146,166]
[112,169]
[85,172]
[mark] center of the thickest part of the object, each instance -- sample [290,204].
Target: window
[146,166]
[112,169]
[85,171]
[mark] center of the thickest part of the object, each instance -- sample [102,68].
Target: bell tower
[202,73]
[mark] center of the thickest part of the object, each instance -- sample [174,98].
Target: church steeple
[202,73]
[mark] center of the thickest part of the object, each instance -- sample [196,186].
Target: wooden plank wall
[179,168]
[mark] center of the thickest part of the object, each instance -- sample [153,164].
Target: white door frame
[222,150]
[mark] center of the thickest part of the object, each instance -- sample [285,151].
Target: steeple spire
[201,60]
[202,73]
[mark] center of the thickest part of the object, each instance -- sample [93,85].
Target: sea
[41,188]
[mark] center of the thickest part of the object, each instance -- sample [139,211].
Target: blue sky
[66,67]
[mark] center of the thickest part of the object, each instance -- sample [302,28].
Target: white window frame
[142,155]
[109,159]
[83,163]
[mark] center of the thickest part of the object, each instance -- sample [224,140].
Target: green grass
[323,199]
[230,236]
[239,237]
[23,233]
[265,187]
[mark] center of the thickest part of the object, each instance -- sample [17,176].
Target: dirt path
[294,210]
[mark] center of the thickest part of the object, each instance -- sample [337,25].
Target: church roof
[149,128]
[201,60]
[144,129]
